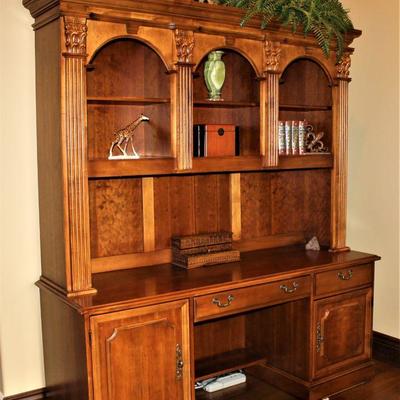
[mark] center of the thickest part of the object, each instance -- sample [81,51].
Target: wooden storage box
[216,140]
[205,249]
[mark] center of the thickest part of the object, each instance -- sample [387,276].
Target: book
[288,137]
[199,140]
[302,137]
[295,137]
[282,139]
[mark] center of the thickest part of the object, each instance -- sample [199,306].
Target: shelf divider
[302,107]
[119,100]
[224,104]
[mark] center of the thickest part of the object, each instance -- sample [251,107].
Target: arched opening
[126,78]
[305,94]
[240,101]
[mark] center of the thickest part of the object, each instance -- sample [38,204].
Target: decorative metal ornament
[314,144]
[214,75]
[123,138]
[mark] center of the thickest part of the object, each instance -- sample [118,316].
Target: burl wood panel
[50,170]
[240,86]
[127,68]
[256,205]
[186,205]
[275,203]
[116,217]
[281,332]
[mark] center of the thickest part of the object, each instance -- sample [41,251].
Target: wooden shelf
[231,164]
[127,100]
[306,161]
[140,167]
[226,362]
[224,104]
[166,165]
[253,388]
[295,107]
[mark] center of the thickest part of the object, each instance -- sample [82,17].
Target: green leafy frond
[325,19]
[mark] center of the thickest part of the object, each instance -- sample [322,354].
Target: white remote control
[225,382]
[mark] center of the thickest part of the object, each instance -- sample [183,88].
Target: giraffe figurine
[124,137]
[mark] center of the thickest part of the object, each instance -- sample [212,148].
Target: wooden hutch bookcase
[119,321]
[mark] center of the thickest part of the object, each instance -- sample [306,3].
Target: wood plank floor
[385,386]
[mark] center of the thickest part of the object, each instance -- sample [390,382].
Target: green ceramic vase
[214,75]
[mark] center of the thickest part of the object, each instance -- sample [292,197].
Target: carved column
[269,106]
[184,41]
[340,151]
[74,133]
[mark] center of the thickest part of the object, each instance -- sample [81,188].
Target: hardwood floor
[385,386]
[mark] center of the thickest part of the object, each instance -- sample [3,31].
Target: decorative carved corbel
[184,41]
[75,35]
[343,67]
[272,56]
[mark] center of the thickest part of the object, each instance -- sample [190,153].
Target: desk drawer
[237,300]
[344,279]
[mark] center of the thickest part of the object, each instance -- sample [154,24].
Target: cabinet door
[342,331]
[142,354]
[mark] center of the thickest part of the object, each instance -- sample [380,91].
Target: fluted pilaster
[74,126]
[340,149]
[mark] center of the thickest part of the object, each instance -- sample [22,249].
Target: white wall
[20,331]
[373,196]
[373,202]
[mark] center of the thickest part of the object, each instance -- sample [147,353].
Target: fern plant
[325,19]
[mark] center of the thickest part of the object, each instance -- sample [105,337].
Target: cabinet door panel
[343,331]
[135,354]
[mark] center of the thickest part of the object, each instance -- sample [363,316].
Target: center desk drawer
[238,300]
[343,279]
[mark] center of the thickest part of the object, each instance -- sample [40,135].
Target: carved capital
[343,67]
[272,56]
[184,41]
[75,35]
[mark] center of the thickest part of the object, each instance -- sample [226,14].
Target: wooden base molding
[37,394]
[386,348]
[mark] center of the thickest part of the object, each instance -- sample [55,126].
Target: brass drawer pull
[286,289]
[345,277]
[223,305]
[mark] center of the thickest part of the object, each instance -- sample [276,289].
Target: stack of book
[292,137]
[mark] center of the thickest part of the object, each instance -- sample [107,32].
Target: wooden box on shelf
[206,249]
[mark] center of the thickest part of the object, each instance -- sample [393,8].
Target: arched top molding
[325,65]
[134,38]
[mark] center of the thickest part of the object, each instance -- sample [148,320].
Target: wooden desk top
[149,285]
